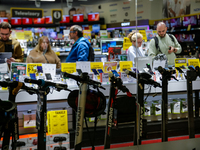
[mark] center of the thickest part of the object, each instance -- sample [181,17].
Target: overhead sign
[57,15]
[26,12]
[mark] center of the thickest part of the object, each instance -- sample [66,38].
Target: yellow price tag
[125,65]
[96,65]
[193,62]
[189,27]
[32,68]
[68,67]
[143,32]
[57,122]
[180,62]
[127,43]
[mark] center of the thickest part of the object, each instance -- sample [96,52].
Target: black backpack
[156,42]
[91,54]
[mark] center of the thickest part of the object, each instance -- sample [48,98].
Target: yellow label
[32,68]
[180,62]
[58,53]
[143,32]
[125,65]
[28,35]
[57,122]
[4,88]
[96,65]
[68,67]
[103,27]
[193,62]
[189,27]
[154,31]
[20,35]
[127,43]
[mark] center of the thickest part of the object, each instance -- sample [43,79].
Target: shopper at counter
[135,50]
[80,49]
[7,44]
[168,46]
[43,53]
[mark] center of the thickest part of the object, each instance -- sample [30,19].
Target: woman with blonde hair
[43,53]
[135,50]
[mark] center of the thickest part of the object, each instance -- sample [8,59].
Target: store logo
[139,17]
[197,9]
[113,10]
[113,4]
[125,24]
[140,12]
[140,6]
[126,14]
[126,2]
[126,7]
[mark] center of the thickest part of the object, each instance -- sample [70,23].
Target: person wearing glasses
[7,44]
[135,50]
[80,49]
[43,53]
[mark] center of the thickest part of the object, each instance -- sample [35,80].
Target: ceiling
[23,3]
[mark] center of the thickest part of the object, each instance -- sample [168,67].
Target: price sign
[104,77]
[96,65]
[127,43]
[193,62]
[143,32]
[123,76]
[68,67]
[32,68]
[180,62]
[125,65]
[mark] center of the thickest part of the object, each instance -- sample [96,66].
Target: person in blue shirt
[80,49]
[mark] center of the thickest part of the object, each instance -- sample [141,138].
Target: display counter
[173,86]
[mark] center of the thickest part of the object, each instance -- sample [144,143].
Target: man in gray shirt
[167,46]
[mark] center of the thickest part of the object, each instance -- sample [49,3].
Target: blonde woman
[43,53]
[135,50]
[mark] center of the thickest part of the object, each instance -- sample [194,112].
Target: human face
[161,30]
[5,34]
[139,42]
[72,34]
[45,44]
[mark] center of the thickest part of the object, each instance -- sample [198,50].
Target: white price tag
[105,77]
[177,108]
[158,109]
[124,77]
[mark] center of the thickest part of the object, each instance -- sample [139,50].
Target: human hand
[10,60]
[172,49]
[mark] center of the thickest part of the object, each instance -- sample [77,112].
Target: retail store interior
[110,102]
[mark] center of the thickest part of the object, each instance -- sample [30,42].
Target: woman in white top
[133,51]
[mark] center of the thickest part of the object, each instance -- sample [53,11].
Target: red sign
[78,18]
[93,17]
[16,21]
[38,20]
[65,19]
[48,20]
[3,20]
[27,21]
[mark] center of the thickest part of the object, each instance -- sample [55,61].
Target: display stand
[166,76]
[41,113]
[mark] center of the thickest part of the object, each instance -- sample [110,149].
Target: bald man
[167,46]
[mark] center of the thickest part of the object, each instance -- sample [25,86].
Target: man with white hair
[167,44]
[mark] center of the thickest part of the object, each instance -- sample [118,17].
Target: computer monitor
[78,18]
[107,43]
[93,16]
[176,22]
[190,20]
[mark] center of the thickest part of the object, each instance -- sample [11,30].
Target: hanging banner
[26,12]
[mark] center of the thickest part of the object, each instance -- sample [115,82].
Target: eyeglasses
[138,42]
[72,31]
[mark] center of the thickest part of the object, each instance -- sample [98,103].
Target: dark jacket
[79,51]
